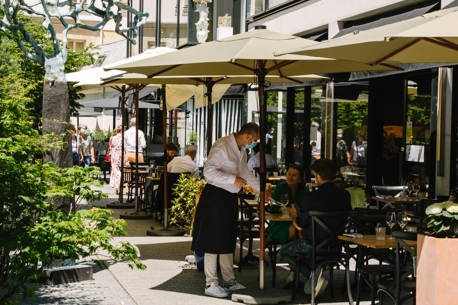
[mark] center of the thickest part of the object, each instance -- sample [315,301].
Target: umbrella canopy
[430,38]
[247,53]
[177,92]
[236,55]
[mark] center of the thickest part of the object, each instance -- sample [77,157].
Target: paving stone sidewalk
[168,279]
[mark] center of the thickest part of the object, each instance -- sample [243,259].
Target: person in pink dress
[115,147]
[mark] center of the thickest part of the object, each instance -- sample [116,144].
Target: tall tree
[56,106]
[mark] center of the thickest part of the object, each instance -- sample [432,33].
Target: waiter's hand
[239,181]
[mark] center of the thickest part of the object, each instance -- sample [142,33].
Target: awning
[387,20]
[452,4]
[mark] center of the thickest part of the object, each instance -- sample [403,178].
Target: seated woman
[284,231]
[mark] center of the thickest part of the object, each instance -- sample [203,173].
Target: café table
[389,201]
[368,241]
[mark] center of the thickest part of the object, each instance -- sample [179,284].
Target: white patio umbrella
[430,38]
[242,54]
[176,94]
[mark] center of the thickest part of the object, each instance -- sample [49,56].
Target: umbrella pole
[262,168]
[209,84]
[137,95]
[164,172]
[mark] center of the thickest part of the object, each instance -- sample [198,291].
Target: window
[76,45]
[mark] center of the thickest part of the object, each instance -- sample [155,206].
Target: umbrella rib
[378,62]
[163,71]
[441,42]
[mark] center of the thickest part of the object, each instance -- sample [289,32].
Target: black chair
[248,229]
[172,179]
[387,190]
[131,181]
[327,249]
[404,279]
[365,222]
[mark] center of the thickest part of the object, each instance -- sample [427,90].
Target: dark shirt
[160,160]
[328,197]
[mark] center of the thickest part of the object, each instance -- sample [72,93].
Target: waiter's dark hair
[251,127]
[325,168]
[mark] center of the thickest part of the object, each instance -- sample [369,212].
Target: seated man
[254,162]
[185,164]
[328,198]
[171,152]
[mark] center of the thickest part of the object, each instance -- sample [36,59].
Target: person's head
[272,130]
[359,137]
[248,135]
[133,122]
[191,151]
[339,134]
[171,150]
[83,129]
[116,130]
[82,126]
[324,170]
[315,124]
[295,176]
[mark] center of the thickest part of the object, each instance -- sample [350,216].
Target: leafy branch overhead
[65,11]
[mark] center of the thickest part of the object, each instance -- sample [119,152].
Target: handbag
[107,158]
[108,154]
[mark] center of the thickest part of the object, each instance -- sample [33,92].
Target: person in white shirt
[215,223]
[255,161]
[185,164]
[129,143]
[316,144]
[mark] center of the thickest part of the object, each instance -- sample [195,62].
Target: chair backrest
[400,237]
[365,220]
[326,227]
[172,179]
[387,189]
[269,170]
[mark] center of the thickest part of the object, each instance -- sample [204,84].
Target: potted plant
[187,194]
[436,262]
[193,138]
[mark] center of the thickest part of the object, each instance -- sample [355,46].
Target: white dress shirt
[255,161]
[225,162]
[183,164]
[129,140]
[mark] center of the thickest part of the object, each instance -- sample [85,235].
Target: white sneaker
[308,284]
[236,286]
[289,278]
[215,290]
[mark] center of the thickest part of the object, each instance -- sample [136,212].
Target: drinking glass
[416,188]
[410,188]
[402,220]
[391,221]
[284,199]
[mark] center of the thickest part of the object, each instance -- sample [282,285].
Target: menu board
[415,153]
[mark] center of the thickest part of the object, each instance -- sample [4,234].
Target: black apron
[215,223]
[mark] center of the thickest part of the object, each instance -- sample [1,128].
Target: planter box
[436,270]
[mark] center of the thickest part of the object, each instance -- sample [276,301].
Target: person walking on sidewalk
[215,224]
